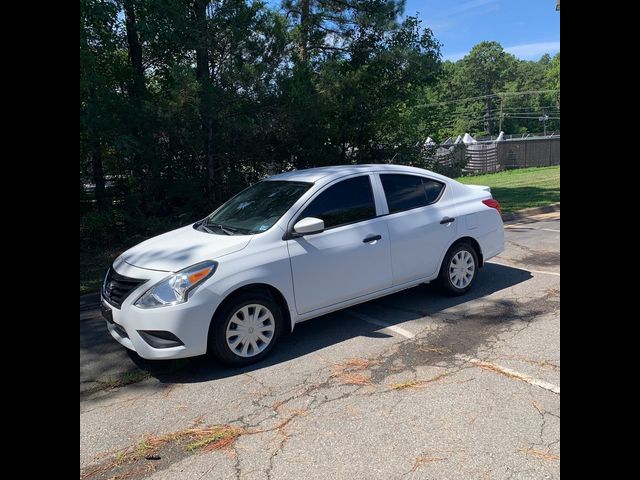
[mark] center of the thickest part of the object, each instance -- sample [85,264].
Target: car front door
[418,230]
[350,258]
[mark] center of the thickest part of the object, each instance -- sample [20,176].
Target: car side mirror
[309,225]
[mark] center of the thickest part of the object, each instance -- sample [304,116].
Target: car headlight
[175,288]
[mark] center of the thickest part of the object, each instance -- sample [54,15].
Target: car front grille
[118,287]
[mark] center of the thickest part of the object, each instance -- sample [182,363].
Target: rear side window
[404,192]
[432,189]
[345,202]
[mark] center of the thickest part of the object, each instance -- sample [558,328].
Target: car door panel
[351,257]
[337,265]
[418,239]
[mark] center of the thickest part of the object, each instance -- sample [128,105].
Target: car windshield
[255,209]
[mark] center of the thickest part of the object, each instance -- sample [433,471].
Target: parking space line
[525,269]
[510,373]
[480,363]
[394,328]
[522,226]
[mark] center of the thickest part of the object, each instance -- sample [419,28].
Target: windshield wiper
[204,227]
[226,230]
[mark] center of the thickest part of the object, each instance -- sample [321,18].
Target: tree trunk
[305,12]
[98,176]
[137,92]
[135,50]
[212,164]
[202,57]
[97,167]
[202,74]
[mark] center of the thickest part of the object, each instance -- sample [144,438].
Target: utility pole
[544,119]
[500,127]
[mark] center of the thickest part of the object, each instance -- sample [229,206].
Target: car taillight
[493,204]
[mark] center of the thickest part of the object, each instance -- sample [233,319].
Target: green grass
[521,188]
[125,379]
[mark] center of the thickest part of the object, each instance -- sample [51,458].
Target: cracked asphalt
[411,386]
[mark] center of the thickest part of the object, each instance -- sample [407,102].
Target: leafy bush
[98,229]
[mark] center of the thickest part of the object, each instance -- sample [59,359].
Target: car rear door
[421,223]
[351,257]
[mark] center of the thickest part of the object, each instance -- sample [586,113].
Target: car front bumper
[134,327]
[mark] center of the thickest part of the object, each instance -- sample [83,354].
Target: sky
[526,28]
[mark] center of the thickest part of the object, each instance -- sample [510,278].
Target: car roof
[337,171]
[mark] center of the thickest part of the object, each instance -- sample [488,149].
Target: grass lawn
[521,188]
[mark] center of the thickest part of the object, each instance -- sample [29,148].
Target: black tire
[444,279]
[218,346]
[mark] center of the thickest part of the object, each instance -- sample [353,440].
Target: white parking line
[525,269]
[520,226]
[394,328]
[511,373]
[482,364]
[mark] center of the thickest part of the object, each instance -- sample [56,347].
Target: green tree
[553,72]
[483,72]
[184,102]
[102,74]
[331,40]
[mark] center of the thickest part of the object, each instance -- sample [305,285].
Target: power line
[524,107]
[534,118]
[531,114]
[505,94]
[494,117]
[506,115]
[513,112]
[530,110]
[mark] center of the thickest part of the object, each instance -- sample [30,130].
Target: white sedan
[293,247]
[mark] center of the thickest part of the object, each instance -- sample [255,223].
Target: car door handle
[372,238]
[447,220]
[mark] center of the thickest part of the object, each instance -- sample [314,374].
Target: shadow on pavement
[106,354]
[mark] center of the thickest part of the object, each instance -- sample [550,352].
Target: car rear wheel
[246,329]
[459,268]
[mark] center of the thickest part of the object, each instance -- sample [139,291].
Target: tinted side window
[345,202]
[433,190]
[405,192]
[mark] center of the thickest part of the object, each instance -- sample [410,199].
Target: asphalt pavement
[411,386]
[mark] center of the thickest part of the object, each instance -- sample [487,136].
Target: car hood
[181,248]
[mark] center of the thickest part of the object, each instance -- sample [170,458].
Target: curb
[555,207]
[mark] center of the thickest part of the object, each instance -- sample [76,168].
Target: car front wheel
[459,269]
[246,329]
